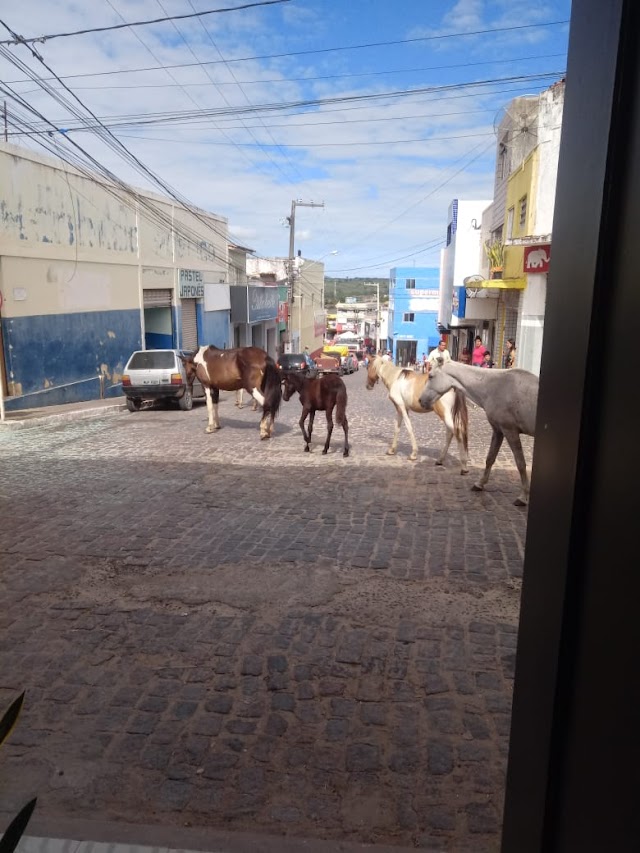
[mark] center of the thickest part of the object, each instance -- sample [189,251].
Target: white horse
[509,399]
[405,387]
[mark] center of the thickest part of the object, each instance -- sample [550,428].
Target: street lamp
[377,287]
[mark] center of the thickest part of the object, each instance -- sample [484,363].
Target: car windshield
[291,358]
[152,360]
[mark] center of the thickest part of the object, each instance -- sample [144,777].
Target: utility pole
[377,287]
[292,250]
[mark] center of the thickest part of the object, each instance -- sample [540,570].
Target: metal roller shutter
[157,298]
[189,325]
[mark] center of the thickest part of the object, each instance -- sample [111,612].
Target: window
[510,215]
[522,206]
[410,283]
[502,158]
[408,317]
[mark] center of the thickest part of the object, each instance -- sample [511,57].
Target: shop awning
[498,284]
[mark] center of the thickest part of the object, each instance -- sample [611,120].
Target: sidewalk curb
[62,417]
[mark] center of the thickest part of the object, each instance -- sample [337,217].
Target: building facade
[414,302]
[90,272]
[464,312]
[519,222]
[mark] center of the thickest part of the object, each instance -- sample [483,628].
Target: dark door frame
[573,778]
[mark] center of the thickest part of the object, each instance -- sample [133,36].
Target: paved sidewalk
[44,415]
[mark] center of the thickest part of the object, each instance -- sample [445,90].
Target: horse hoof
[519,502]
[464,471]
[212,429]
[391,452]
[307,449]
[324,452]
[413,457]
[345,453]
[477,488]
[439,464]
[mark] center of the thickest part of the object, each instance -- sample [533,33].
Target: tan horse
[248,368]
[405,388]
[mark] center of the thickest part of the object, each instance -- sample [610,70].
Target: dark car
[158,374]
[296,362]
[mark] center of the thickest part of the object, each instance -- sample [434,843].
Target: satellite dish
[470,280]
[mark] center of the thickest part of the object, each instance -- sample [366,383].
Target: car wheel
[186,401]
[133,405]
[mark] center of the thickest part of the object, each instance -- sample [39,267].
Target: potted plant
[494,251]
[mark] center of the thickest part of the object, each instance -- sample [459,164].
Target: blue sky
[361,105]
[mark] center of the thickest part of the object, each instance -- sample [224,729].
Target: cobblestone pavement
[215,631]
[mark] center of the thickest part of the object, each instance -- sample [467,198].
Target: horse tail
[341,405]
[460,415]
[271,388]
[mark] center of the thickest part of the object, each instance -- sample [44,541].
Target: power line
[287,80]
[107,136]
[18,39]
[184,115]
[305,52]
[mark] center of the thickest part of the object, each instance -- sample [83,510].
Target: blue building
[414,300]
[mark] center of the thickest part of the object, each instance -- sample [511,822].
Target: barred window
[408,317]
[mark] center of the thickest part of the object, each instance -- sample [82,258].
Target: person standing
[510,353]
[479,349]
[440,353]
[487,362]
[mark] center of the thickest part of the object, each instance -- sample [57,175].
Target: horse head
[190,367]
[372,372]
[291,383]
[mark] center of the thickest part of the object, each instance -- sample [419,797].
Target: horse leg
[446,414]
[329,431]
[396,432]
[213,395]
[345,427]
[494,448]
[306,413]
[239,394]
[265,430]
[414,444]
[515,444]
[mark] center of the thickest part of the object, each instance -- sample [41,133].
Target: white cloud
[249,169]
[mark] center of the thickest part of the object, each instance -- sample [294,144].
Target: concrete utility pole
[292,249]
[377,287]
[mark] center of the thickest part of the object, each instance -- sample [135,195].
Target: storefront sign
[191,284]
[263,303]
[459,302]
[283,312]
[536,258]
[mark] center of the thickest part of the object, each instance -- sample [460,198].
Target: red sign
[283,312]
[536,258]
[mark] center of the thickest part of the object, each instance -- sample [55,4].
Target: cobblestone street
[215,631]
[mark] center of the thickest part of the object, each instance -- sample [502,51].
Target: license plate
[150,381]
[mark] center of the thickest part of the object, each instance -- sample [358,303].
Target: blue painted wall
[213,327]
[56,349]
[424,329]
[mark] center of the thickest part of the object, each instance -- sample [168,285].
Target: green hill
[338,289]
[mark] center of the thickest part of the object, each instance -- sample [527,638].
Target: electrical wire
[18,39]
[289,80]
[185,115]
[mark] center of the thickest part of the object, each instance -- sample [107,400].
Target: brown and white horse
[405,387]
[248,368]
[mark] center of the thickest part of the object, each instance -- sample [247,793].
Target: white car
[158,374]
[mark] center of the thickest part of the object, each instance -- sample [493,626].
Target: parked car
[329,363]
[158,374]
[295,362]
[350,363]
